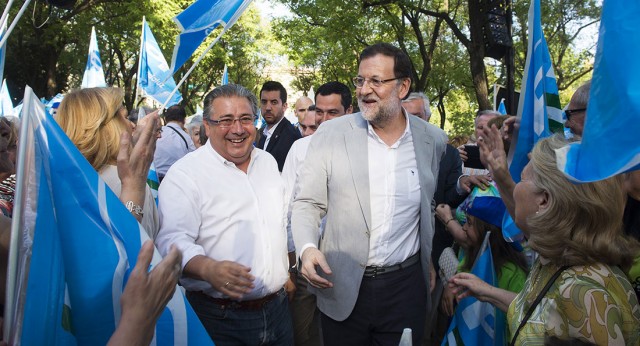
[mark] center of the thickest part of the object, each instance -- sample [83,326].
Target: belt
[373,271]
[255,304]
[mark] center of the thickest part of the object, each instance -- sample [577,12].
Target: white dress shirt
[394,188]
[171,147]
[268,131]
[210,207]
[290,172]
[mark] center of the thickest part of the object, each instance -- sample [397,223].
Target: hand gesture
[312,257]
[463,153]
[230,278]
[467,182]
[493,153]
[443,212]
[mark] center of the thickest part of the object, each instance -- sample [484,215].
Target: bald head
[300,108]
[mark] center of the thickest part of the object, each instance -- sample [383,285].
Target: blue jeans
[270,325]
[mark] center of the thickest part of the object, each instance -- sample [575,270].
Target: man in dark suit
[278,134]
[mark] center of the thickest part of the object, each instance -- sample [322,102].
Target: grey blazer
[334,181]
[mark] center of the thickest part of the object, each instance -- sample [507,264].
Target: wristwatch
[134,208]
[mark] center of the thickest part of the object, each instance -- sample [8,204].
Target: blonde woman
[577,288]
[95,121]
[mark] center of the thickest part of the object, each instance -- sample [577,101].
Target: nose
[237,127]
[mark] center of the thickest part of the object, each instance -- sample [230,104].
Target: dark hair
[275,86]
[228,90]
[202,137]
[502,251]
[401,62]
[336,88]
[175,113]
[311,108]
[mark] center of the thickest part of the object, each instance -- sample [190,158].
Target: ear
[350,110]
[285,106]
[405,88]
[543,200]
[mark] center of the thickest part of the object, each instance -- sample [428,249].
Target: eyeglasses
[570,112]
[358,82]
[228,122]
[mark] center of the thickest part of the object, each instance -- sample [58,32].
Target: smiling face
[528,199]
[233,143]
[378,104]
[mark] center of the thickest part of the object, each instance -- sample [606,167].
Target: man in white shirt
[373,175]
[333,100]
[174,143]
[223,206]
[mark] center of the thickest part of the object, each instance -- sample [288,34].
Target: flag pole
[135,98]
[5,13]
[15,21]
[12,266]
[192,68]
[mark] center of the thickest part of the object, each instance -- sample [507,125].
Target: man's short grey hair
[425,100]
[229,90]
[581,96]
[195,123]
[485,112]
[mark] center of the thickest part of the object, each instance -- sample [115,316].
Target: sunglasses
[570,112]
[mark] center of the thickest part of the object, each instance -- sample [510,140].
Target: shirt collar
[407,131]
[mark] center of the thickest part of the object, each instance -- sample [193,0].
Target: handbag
[448,265]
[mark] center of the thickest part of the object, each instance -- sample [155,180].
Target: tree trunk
[476,54]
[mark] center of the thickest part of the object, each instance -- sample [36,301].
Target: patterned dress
[594,303]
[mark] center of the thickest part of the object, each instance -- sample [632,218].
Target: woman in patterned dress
[577,231]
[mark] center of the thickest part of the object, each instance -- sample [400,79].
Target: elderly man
[418,105]
[223,206]
[577,109]
[300,109]
[278,134]
[373,175]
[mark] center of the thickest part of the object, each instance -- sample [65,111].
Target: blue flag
[501,108]
[85,244]
[3,51]
[198,21]
[155,76]
[225,76]
[609,143]
[539,111]
[6,104]
[93,74]
[475,322]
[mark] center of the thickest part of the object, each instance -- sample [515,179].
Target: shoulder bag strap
[181,136]
[536,302]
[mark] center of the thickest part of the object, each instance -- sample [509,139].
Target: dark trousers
[385,306]
[270,325]
[305,315]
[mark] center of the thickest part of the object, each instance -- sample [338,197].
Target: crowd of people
[335,230]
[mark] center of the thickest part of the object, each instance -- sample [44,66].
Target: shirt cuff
[306,246]
[459,188]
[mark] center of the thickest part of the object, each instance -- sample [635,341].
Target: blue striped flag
[85,244]
[475,322]
[501,108]
[539,110]
[155,76]
[609,144]
[225,76]
[6,104]
[93,74]
[198,21]
[3,51]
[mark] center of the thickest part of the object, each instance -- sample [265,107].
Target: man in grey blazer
[373,174]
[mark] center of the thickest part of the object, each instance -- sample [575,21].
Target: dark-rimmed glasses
[358,82]
[570,112]
[228,122]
